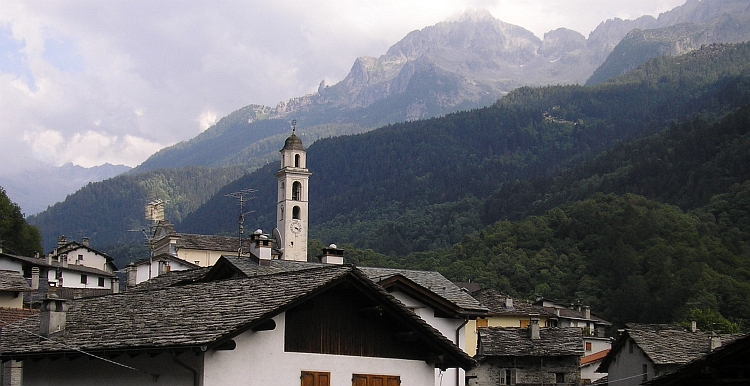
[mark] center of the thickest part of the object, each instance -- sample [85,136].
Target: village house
[527,356]
[726,365]
[324,324]
[146,269]
[71,269]
[504,311]
[200,250]
[645,351]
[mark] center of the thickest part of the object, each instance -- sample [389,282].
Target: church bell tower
[291,207]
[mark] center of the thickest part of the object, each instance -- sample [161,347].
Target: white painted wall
[10,265]
[597,344]
[447,327]
[90,259]
[259,359]
[589,371]
[142,272]
[72,279]
[627,367]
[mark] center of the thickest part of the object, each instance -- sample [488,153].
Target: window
[315,378]
[80,257]
[295,212]
[296,160]
[482,323]
[296,191]
[506,377]
[375,380]
[559,377]
[588,346]
[525,323]
[84,279]
[101,282]
[645,372]
[630,347]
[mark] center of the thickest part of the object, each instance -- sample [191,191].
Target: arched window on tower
[296,191]
[296,160]
[295,212]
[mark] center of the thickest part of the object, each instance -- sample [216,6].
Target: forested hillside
[395,182]
[631,259]
[118,204]
[17,237]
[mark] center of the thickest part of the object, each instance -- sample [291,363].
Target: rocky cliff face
[457,65]
[681,30]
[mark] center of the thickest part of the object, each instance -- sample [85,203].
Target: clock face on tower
[295,227]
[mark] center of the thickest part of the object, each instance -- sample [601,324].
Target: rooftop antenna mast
[154,214]
[241,196]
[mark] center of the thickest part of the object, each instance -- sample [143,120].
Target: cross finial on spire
[294,125]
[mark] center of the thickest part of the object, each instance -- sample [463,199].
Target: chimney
[115,284]
[332,255]
[85,242]
[132,273]
[53,313]
[260,245]
[61,241]
[693,326]
[534,326]
[508,302]
[35,278]
[557,312]
[63,260]
[715,342]
[36,254]
[586,312]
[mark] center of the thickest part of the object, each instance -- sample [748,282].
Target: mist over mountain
[35,186]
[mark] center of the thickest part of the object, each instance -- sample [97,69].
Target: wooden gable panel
[343,321]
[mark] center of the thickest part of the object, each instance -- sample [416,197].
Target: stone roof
[171,278]
[166,257]
[495,302]
[199,314]
[513,341]
[665,344]
[293,143]
[725,365]
[670,344]
[431,280]
[208,242]
[13,281]
[11,315]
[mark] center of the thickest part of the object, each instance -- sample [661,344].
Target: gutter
[197,379]
[458,344]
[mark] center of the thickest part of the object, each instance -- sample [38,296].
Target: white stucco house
[147,269]
[317,325]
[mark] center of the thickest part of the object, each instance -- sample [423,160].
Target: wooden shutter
[315,378]
[375,380]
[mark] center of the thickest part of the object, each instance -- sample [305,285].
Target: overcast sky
[96,81]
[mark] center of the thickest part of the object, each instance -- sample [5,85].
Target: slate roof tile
[13,281]
[430,280]
[670,344]
[495,302]
[513,341]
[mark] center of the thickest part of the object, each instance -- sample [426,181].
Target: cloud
[131,77]
[207,119]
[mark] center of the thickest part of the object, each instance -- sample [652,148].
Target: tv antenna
[241,197]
